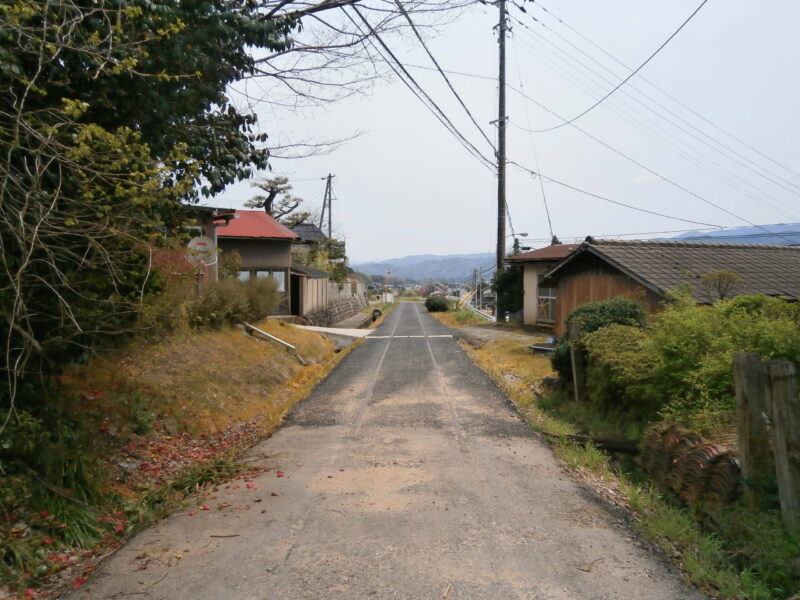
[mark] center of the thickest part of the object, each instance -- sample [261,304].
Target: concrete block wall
[338,310]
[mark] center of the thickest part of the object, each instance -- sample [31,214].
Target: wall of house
[208,273]
[530,285]
[314,295]
[598,282]
[259,254]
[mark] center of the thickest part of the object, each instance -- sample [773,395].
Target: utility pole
[328,202]
[501,155]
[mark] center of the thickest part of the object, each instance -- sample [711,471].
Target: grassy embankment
[154,422]
[750,556]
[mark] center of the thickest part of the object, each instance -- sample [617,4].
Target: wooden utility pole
[327,202]
[501,155]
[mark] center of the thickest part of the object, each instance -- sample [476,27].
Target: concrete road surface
[406,474]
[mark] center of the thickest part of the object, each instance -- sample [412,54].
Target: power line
[442,73]
[613,149]
[604,198]
[538,4]
[533,148]
[725,210]
[721,238]
[624,81]
[616,235]
[629,118]
[745,161]
[416,89]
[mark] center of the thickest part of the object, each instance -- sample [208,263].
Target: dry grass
[202,383]
[518,372]
[459,318]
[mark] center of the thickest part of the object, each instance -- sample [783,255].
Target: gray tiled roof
[310,272]
[309,232]
[661,266]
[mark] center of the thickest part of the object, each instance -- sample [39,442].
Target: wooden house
[647,270]
[538,307]
[264,245]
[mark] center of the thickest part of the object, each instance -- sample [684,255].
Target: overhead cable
[634,72]
[409,81]
[533,148]
[692,131]
[606,199]
[627,117]
[663,91]
[442,73]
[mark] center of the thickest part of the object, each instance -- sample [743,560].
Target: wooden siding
[314,295]
[530,286]
[259,253]
[578,288]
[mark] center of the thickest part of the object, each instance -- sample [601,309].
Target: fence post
[784,407]
[578,366]
[751,408]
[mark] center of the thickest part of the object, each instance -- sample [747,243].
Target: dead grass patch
[201,383]
[459,318]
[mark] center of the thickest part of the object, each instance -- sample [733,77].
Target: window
[546,302]
[244,275]
[278,276]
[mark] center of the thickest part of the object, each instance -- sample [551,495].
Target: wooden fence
[768,419]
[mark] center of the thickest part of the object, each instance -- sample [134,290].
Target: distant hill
[789,235]
[448,267]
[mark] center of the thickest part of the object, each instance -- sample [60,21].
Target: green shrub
[230,301]
[508,286]
[437,304]
[593,316]
[173,286]
[620,366]
[695,345]
[230,263]
[681,364]
[262,298]
[561,359]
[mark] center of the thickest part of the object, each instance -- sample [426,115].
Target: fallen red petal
[80,581]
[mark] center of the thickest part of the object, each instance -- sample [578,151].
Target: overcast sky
[406,186]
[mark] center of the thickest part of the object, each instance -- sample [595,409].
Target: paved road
[406,475]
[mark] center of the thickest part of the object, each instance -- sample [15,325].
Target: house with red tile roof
[264,245]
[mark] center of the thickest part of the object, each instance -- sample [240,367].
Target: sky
[714,112]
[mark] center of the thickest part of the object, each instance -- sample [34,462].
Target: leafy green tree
[111,112]
[508,286]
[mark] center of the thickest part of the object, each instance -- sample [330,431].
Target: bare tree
[720,284]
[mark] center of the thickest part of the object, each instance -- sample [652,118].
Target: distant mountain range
[780,234]
[458,267]
[447,267]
